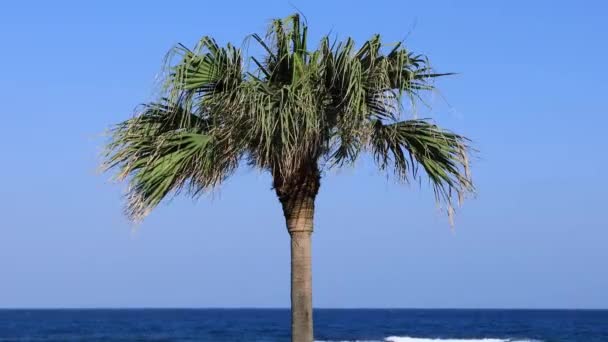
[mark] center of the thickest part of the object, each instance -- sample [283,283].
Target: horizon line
[287,308]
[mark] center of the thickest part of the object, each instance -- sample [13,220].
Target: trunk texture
[300,226]
[298,200]
[301,288]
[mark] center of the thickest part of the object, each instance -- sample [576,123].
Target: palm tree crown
[294,112]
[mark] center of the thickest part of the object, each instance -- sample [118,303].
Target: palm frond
[159,154]
[406,146]
[286,112]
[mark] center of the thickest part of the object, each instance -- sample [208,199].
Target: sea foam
[415,339]
[418,339]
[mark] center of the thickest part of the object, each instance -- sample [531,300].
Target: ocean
[265,325]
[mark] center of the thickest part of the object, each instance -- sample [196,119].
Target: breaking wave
[418,339]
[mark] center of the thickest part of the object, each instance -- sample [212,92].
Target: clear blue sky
[531,93]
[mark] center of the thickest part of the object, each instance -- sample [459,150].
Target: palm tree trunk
[299,218]
[301,288]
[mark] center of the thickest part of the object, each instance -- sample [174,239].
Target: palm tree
[295,113]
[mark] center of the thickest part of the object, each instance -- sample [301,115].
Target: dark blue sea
[265,325]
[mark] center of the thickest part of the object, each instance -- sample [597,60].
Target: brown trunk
[300,227]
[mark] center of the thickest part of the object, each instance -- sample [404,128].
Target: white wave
[417,339]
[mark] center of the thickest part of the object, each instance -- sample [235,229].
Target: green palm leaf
[408,145]
[286,112]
